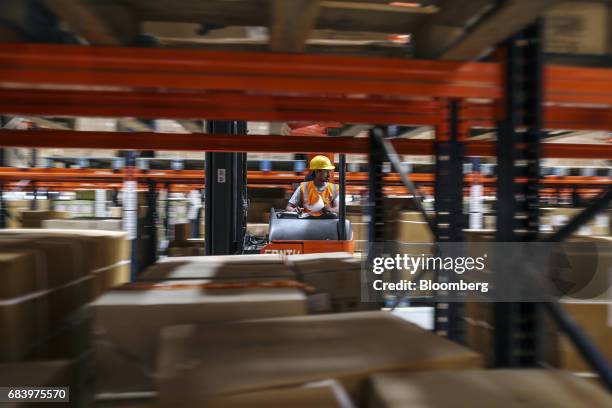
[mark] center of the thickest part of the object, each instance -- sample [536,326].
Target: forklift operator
[318,196]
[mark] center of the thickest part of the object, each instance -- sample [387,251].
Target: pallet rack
[230,87]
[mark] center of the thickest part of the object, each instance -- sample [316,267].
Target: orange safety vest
[310,196]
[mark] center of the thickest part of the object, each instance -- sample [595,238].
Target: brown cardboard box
[115,212]
[129,320]
[338,274]
[577,27]
[323,394]
[182,232]
[27,320]
[258,229]
[99,249]
[201,362]
[57,261]
[412,216]
[596,321]
[17,273]
[34,219]
[515,388]
[237,267]
[360,231]
[479,235]
[16,207]
[183,251]
[102,225]
[414,231]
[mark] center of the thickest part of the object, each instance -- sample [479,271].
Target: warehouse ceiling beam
[495,25]
[261,143]
[99,23]
[291,24]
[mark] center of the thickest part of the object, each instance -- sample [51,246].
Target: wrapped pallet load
[198,363]
[181,291]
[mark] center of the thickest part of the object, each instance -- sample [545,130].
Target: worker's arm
[334,208]
[293,204]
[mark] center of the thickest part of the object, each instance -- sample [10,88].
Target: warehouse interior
[152,253]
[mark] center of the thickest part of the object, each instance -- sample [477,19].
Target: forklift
[291,233]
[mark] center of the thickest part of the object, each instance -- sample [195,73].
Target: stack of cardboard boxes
[85,224]
[484,388]
[46,276]
[202,363]
[183,244]
[337,278]
[127,320]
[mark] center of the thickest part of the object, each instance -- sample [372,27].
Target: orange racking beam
[228,105]
[262,143]
[36,65]
[242,71]
[196,177]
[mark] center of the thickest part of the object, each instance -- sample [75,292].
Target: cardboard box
[337,274]
[414,231]
[412,216]
[258,229]
[130,320]
[577,28]
[485,388]
[182,232]
[34,219]
[234,267]
[99,249]
[596,321]
[197,363]
[360,231]
[102,225]
[183,251]
[322,394]
[57,262]
[17,273]
[28,320]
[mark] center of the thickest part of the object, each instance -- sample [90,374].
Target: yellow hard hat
[321,162]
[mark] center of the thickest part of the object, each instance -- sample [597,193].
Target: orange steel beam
[196,177]
[227,105]
[218,106]
[239,71]
[262,143]
[34,65]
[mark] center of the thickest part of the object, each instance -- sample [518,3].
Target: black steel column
[449,153]
[225,209]
[376,210]
[518,325]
